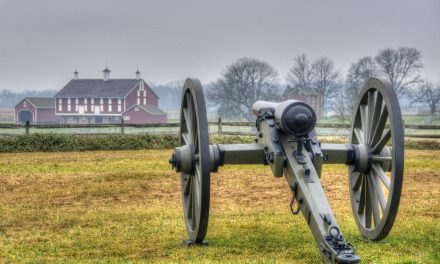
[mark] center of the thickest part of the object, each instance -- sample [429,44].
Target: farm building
[97,101]
[36,110]
[311,96]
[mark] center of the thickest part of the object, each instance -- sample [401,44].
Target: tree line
[8,98]
[249,79]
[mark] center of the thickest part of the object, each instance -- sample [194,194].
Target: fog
[42,42]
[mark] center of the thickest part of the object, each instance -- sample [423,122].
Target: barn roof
[149,108]
[306,91]
[41,102]
[152,109]
[89,88]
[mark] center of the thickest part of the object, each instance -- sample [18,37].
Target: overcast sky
[41,42]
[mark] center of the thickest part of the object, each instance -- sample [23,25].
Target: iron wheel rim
[375,216]
[195,186]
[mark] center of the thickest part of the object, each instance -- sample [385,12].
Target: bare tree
[342,106]
[300,74]
[426,93]
[400,66]
[325,78]
[358,74]
[242,83]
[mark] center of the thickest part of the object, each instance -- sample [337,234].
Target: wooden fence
[428,130]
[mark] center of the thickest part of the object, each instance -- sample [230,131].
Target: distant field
[125,207]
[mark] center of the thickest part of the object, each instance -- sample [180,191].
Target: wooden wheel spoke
[382,142]
[378,113]
[189,207]
[188,123]
[370,107]
[374,200]
[196,142]
[379,192]
[356,180]
[359,135]
[187,185]
[381,174]
[364,120]
[379,128]
[362,196]
[186,138]
[197,173]
[191,114]
[193,214]
[196,188]
[368,209]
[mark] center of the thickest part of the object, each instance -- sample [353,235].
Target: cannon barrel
[291,116]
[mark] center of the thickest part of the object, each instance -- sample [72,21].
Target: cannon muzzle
[292,116]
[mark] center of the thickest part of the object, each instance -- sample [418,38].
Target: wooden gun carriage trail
[286,141]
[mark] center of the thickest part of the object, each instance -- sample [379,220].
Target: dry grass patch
[124,206]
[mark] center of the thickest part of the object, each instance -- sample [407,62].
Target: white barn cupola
[106,72]
[138,75]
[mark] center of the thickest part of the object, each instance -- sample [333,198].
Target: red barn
[311,96]
[94,101]
[39,110]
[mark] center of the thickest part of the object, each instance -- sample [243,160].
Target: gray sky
[41,42]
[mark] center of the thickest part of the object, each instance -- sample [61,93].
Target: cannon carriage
[287,142]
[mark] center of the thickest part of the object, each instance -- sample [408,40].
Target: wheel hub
[363,158]
[183,159]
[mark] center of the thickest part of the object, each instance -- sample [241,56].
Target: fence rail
[234,128]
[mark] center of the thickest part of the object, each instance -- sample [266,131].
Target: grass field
[124,206]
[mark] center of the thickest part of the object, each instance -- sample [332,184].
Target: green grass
[124,206]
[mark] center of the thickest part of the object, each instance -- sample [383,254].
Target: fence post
[27,127]
[122,126]
[220,129]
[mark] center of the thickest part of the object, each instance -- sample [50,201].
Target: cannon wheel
[374,193]
[196,185]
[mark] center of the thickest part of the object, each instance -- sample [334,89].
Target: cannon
[287,142]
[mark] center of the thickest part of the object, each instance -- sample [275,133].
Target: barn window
[145,100]
[24,104]
[109,104]
[76,104]
[126,117]
[141,86]
[119,105]
[101,101]
[138,100]
[69,106]
[136,108]
[139,93]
